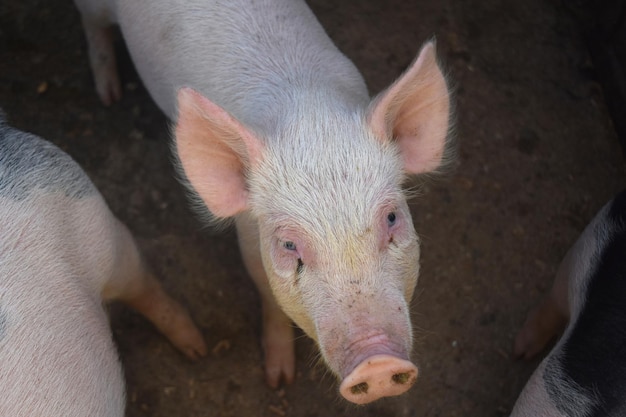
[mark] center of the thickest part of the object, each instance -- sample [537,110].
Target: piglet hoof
[172,320]
[109,88]
[177,326]
[184,335]
[280,364]
[279,368]
[376,377]
[280,358]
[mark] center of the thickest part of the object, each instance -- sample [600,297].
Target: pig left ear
[215,152]
[415,111]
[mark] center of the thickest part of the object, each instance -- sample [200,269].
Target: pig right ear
[415,112]
[215,152]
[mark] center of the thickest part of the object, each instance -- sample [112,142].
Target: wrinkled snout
[376,377]
[368,346]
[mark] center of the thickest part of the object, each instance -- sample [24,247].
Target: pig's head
[336,235]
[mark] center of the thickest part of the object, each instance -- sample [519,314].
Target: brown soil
[537,157]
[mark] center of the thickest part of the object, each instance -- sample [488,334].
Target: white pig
[62,252]
[275,128]
[585,373]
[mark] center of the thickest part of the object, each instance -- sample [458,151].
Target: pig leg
[133,284]
[278,336]
[549,318]
[102,60]
[543,323]
[167,315]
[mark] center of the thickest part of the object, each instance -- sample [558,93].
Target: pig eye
[391,219]
[289,245]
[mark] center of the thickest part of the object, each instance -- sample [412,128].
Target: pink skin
[369,345]
[376,377]
[371,364]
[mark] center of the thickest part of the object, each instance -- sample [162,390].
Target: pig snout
[371,357]
[376,377]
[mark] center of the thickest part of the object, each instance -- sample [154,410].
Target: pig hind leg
[97,21]
[133,284]
[168,316]
[543,323]
[549,318]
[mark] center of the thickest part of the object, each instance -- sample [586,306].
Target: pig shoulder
[593,351]
[29,163]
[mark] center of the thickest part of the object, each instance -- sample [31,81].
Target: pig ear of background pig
[415,111]
[214,149]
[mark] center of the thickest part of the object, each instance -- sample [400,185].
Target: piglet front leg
[278,333]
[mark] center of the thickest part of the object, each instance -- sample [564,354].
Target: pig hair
[569,397]
[29,163]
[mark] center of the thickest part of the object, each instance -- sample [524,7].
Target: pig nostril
[378,376]
[401,378]
[360,388]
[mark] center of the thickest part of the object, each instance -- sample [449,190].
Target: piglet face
[342,256]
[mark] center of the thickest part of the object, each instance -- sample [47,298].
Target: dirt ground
[537,157]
